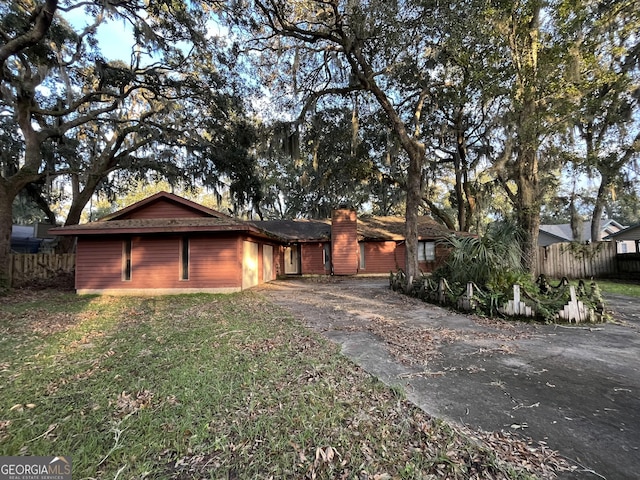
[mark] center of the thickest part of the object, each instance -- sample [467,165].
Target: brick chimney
[344,242]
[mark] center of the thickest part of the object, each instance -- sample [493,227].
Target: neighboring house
[550,234]
[626,237]
[167,244]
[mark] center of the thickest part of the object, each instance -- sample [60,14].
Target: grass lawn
[619,288]
[210,386]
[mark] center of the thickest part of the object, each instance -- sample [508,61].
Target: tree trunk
[81,197]
[416,153]
[529,221]
[460,200]
[524,49]
[528,206]
[462,188]
[6,222]
[598,208]
[9,188]
[576,222]
[414,200]
[65,245]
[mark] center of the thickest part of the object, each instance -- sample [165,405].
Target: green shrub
[485,260]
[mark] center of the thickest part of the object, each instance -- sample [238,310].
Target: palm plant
[489,261]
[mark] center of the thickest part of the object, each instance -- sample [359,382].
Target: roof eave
[70,231]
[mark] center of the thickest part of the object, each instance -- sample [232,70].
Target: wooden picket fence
[24,268]
[584,261]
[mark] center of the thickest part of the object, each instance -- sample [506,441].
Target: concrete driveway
[577,388]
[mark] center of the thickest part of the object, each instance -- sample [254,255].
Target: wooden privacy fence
[629,265]
[574,260]
[26,267]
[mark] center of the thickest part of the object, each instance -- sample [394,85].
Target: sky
[115,37]
[115,41]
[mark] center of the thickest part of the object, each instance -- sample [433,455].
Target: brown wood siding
[155,263]
[312,259]
[98,263]
[381,257]
[401,251]
[216,262]
[344,242]
[164,209]
[213,263]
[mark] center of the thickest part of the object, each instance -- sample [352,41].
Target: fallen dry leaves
[128,404]
[416,345]
[4,426]
[535,457]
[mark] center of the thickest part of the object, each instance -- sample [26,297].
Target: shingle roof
[629,233]
[157,225]
[297,230]
[369,228]
[563,230]
[393,228]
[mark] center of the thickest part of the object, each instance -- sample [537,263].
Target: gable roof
[563,231]
[629,233]
[187,206]
[161,213]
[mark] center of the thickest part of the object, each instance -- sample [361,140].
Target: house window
[126,260]
[363,264]
[326,256]
[426,251]
[184,258]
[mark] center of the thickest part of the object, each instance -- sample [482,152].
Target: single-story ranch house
[167,244]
